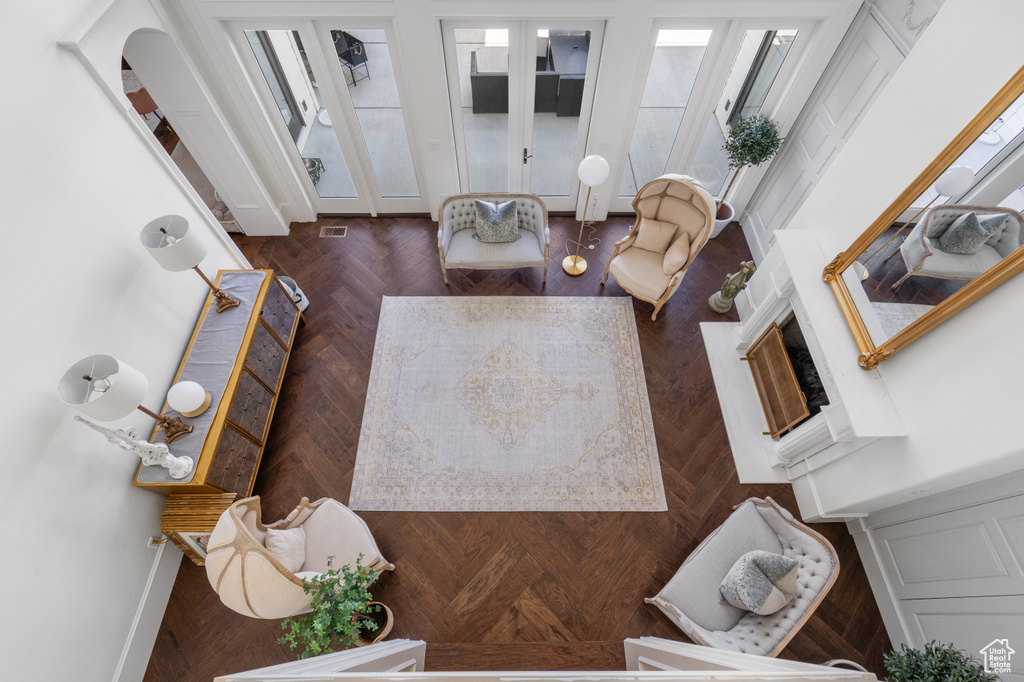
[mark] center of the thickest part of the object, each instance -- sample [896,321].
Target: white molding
[138,646]
[896,625]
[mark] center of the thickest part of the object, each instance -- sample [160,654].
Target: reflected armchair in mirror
[967,242]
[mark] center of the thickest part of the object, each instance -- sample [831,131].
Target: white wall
[957,389]
[78,185]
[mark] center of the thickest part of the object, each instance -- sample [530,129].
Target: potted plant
[342,614]
[936,662]
[752,141]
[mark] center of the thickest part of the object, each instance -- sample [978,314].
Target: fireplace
[847,407]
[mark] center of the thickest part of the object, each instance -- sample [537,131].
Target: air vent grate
[334,231]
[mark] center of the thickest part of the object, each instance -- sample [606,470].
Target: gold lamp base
[574,265]
[224,301]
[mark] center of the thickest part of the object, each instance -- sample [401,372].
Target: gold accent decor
[783,402]
[575,265]
[872,354]
[199,410]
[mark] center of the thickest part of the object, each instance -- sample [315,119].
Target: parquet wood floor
[499,591]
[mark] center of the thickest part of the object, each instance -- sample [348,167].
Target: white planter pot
[725,215]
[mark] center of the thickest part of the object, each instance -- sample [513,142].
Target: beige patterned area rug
[507,404]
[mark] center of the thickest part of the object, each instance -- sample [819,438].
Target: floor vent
[334,231]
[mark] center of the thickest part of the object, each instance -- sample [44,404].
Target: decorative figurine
[151,453]
[721,301]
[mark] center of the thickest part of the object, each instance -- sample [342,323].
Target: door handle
[526,154]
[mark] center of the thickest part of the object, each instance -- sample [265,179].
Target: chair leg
[444,273]
[654,315]
[901,281]
[545,280]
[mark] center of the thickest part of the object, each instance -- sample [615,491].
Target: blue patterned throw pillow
[762,582]
[967,235]
[496,223]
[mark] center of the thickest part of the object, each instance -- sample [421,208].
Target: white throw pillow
[654,235]
[288,547]
[677,255]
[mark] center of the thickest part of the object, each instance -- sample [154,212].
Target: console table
[239,356]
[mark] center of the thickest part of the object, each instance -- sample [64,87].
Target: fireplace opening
[803,366]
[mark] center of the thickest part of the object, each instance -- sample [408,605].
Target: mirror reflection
[963,225]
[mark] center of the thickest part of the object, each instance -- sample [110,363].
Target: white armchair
[676,199]
[253,582]
[457,224]
[923,256]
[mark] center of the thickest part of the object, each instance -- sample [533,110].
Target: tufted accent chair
[458,249]
[691,599]
[923,256]
[677,199]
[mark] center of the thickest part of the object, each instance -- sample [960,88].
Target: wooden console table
[239,356]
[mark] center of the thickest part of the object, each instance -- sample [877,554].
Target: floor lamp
[593,171]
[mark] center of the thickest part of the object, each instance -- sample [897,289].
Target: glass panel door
[292,84]
[678,55]
[478,76]
[758,62]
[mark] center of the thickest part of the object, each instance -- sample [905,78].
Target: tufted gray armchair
[691,599]
[458,249]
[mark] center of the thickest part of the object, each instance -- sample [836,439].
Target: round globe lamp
[188,398]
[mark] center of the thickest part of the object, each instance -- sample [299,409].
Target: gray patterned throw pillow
[496,223]
[967,235]
[759,581]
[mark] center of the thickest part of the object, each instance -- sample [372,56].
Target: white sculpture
[151,453]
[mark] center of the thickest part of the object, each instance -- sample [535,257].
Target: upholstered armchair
[691,598]
[457,224]
[923,254]
[676,199]
[254,582]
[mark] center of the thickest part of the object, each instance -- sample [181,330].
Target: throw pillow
[496,223]
[761,582]
[993,224]
[654,235]
[676,255]
[965,236]
[288,547]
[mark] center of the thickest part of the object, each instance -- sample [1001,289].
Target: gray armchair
[923,256]
[458,249]
[691,599]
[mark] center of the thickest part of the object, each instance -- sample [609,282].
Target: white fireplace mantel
[860,410]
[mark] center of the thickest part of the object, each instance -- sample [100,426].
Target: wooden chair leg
[901,281]
[444,273]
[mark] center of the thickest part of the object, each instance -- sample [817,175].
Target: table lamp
[176,248]
[106,389]
[593,170]
[955,181]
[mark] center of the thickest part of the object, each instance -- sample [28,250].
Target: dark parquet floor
[499,591]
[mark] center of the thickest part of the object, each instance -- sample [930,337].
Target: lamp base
[173,428]
[574,265]
[224,301]
[199,410]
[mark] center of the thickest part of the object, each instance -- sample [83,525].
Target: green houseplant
[751,142]
[341,610]
[936,663]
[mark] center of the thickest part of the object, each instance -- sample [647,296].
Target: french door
[703,76]
[351,150]
[521,98]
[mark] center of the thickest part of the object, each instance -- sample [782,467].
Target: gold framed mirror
[900,279]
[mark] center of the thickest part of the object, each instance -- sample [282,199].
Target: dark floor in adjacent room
[499,591]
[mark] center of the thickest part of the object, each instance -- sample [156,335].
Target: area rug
[507,404]
[895,316]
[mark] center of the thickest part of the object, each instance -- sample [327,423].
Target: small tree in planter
[938,662]
[341,610]
[752,141]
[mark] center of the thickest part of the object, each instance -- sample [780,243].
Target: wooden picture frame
[872,354]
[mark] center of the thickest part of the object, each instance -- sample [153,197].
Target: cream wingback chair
[676,199]
[253,582]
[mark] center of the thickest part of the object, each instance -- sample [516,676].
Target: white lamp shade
[593,170]
[189,398]
[174,246]
[104,388]
[955,181]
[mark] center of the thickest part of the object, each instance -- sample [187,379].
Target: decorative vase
[723,217]
[381,632]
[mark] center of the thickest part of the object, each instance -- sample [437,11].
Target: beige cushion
[331,528]
[639,271]
[675,257]
[288,547]
[654,235]
[466,252]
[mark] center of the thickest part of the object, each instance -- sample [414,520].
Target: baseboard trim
[138,647]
